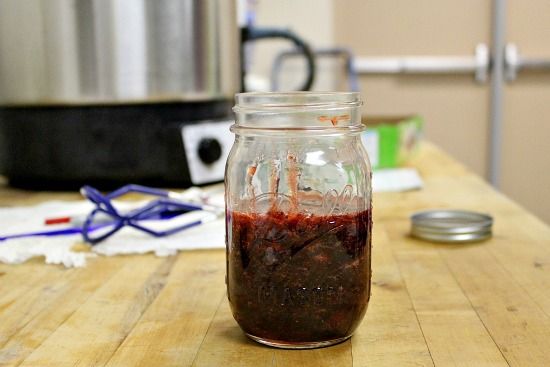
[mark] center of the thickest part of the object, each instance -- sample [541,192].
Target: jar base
[297,345]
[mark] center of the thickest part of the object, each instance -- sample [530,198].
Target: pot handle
[253,34]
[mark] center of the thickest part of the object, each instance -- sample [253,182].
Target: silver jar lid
[451,226]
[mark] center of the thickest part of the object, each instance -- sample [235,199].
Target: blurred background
[456,108]
[476,72]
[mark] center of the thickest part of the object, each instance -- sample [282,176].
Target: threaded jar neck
[323,112]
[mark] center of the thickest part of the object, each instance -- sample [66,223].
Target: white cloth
[396,179]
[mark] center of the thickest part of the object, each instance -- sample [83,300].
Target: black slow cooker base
[61,148]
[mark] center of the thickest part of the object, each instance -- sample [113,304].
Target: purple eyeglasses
[105,219]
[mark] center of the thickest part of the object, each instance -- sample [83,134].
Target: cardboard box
[391,141]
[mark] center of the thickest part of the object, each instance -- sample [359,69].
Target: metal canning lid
[451,226]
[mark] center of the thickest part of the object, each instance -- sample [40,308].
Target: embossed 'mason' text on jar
[298,218]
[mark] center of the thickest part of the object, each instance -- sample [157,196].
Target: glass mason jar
[298,218]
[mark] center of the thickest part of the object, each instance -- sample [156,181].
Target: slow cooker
[111,92]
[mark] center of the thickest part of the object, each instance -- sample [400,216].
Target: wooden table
[432,304]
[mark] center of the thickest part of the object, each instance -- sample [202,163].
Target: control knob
[209,150]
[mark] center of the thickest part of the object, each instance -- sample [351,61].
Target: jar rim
[297,131]
[294,101]
[316,112]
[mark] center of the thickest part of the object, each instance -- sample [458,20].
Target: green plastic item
[391,141]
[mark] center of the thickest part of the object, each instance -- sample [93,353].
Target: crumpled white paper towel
[396,179]
[55,250]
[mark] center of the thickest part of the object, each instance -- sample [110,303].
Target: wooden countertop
[485,304]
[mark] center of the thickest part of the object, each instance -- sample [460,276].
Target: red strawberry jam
[298,278]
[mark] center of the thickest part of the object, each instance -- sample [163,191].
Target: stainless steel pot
[124,51]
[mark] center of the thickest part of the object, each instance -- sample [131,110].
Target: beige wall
[526,128]
[454,108]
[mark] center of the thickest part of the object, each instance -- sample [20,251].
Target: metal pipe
[415,64]
[477,64]
[514,62]
[497,85]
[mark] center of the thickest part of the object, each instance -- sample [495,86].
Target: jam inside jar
[298,218]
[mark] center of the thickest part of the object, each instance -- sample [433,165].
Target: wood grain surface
[482,304]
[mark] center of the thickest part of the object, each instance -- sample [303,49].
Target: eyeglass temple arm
[137,188]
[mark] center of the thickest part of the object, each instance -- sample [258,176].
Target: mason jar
[298,218]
